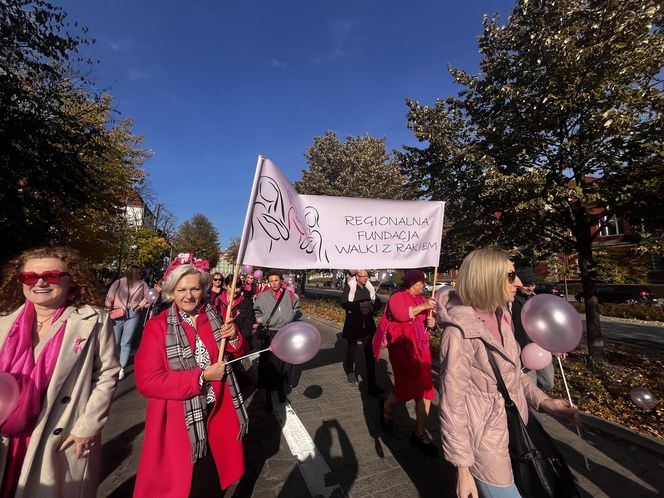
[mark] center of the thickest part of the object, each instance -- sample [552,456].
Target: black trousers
[369,360]
[205,479]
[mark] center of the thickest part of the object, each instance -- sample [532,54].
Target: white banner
[288,230]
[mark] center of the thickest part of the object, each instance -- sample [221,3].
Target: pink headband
[187,258]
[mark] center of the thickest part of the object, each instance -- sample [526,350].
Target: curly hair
[83,281]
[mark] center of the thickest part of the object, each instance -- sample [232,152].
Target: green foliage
[145,248]
[232,251]
[568,92]
[634,311]
[357,167]
[64,162]
[617,268]
[199,236]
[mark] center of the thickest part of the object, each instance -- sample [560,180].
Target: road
[646,337]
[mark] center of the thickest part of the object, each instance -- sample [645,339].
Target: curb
[626,434]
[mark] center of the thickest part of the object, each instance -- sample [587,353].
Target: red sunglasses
[50,277]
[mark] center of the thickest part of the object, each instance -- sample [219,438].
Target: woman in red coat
[408,345]
[195,418]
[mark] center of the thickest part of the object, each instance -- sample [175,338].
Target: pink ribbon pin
[77,345]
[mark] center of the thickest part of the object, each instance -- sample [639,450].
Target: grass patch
[635,311]
[602,390]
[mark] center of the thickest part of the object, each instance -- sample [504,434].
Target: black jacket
[357,325]
[519,300]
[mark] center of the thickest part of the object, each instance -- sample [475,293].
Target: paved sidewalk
[343,423]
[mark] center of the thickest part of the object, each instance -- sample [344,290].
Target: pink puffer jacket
[472,411]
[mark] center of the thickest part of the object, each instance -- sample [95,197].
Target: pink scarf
[17,358]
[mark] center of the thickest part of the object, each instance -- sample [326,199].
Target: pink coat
[472,411]
[165,468]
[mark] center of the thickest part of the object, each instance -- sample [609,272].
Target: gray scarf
[180,357]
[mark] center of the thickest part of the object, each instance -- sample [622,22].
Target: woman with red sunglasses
[59,346]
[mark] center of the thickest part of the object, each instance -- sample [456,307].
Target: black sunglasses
[511,276]
[217,279]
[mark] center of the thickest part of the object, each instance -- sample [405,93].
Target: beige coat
[77,401]
[472,411]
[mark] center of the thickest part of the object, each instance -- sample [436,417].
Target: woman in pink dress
[408,345]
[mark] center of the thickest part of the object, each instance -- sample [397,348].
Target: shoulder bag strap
[129,297]
[499,378]
[274,310]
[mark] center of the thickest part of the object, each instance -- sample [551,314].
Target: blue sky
[213,84]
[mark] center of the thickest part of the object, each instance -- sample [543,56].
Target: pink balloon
[247,269]
[258,274]
[296,343]
[290,288]
[552,323]
[534,357]
[152,296]
[643,398]
[9,393]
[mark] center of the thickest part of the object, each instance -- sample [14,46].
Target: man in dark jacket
[543,378]
[359,301]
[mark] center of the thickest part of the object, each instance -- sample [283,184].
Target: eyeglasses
[511,277]
[216,279]
[50,277]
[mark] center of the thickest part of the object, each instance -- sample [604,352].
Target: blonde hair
[176,274]
[482,278]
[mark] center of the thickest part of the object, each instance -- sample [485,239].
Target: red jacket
[165,468]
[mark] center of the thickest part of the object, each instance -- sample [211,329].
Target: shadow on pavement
[344,466]
[116,450]
[124,490]
[616,467]
[433,477]
[261,442]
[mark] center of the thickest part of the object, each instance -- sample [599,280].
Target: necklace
[40,323]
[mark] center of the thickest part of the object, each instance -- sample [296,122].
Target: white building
[137,214]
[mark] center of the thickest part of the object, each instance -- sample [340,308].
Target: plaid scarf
[181,357]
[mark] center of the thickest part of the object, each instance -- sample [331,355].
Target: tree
[145,248]
[358,167]
[198,236]
[65,164]
[233,249]
[560,130]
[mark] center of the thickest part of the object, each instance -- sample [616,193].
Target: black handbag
[539,469]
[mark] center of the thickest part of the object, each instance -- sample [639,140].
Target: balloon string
[147,314]
[569,397]
[247,355]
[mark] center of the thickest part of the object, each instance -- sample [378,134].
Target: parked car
[628,294]
[439,285]
[555,289]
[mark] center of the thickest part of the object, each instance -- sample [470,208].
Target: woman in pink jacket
[472,411]
[126,298]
